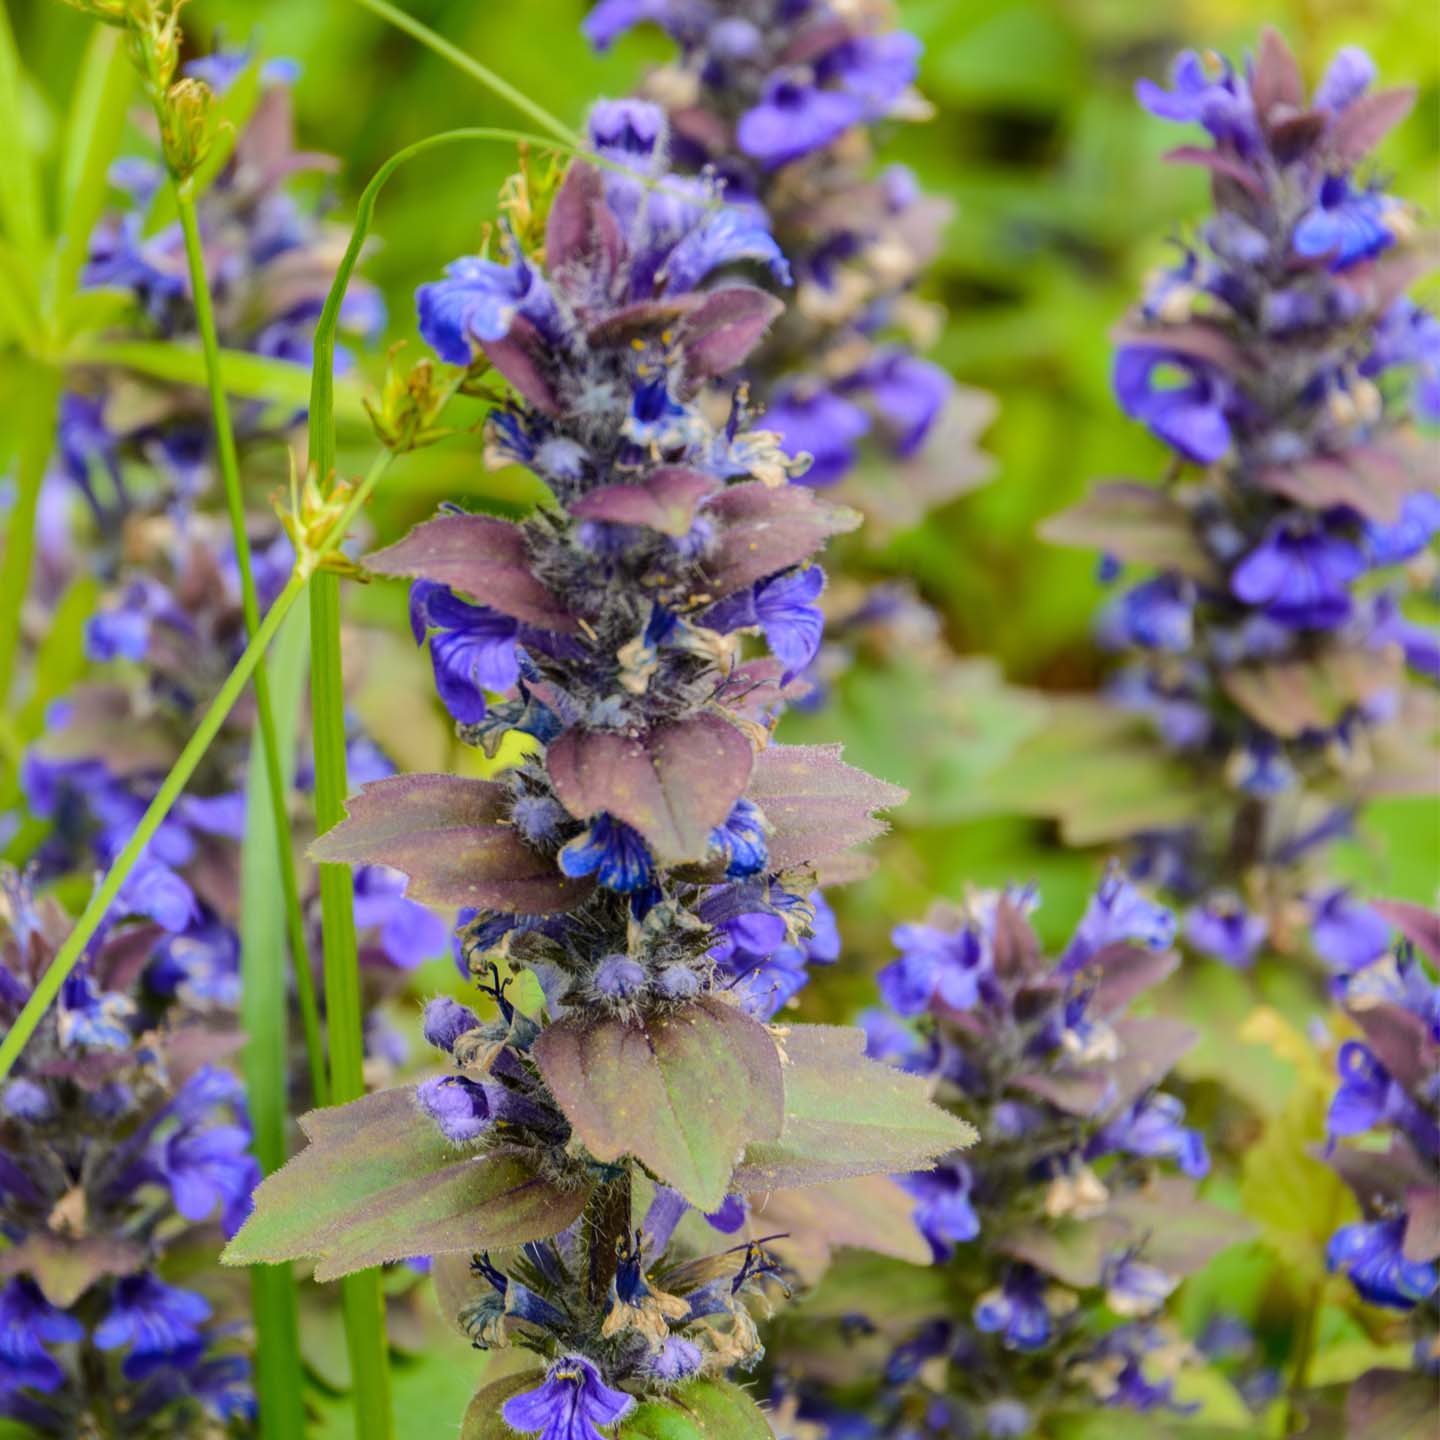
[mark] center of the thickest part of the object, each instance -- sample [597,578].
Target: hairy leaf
[1369,479]
[65,1268]
[1391,1405]
[724,328]
[379,1182]
[765,530]
[684,1092]
[1365,122]
[481,556]
[846,1115]
[702,1410]
[674,784]
[816,804]
[482,1416]
[666,500]
[1417,924]
[1138,524]
[441,831]
[582,237]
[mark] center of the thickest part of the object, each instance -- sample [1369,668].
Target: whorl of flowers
[1067,1228]
[1384,1134]
[131,442]
[163,640]
[117,1141]
[652,860]
[777,101]
[1279,359]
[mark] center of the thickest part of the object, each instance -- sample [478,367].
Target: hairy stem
[605,1226]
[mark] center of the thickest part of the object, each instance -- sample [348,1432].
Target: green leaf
[683,1092]
[246,376]
[20,205]
[482,1416]
[92,136]
[378,1182]
[705,1410]
[1136,523]
[846,1115]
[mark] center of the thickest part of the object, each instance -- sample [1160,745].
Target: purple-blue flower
[1017,1311]
[472,648]
[1224,929]
[1345,225]
[159,1324]
[1118,912]
[209,1171]
[907,394]
[821,424]
[1371,1253]
[1152,1128]
[29,1323]
[1301,574]
[935,965]
[1189,413]
[795,118]
[943,1212]
[1207,93]
[1346,933]
[614,853]
[571,1404]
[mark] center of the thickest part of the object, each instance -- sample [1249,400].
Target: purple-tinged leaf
[1127,972]
[847,1115]
[1150,1046]
[1391,1405]
[481,556]
[1365,122]
[442,832]
[666,500]
[1276,80]
[1373,481]
[869,1212]
[1138,524]
[520,357]
[684,1092]
[1417,924]
[1401,1040]
[764,530]
[379,1182]
[1015,949]
[816,804]
[101,723]
[1422,1223]
[642,319]
[1180,1233]
[674,785]
[1294,135]
[1198,341]
[1290,698]
[724,328]
[582,236]
[1221,163]
[1073,1251]
[65,1267]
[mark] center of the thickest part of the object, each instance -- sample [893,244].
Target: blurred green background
[1062,203]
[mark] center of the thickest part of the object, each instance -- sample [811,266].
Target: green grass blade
[35,405]
[21,209]
[246,376]
[92,136]
[263,1017]
[472,67]
[276,773]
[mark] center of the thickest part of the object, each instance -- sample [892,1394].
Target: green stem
[264,706]
[486,76]
[174,783]
[35,406]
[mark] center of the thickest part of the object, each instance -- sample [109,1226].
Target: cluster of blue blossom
[164,639]
[133,443]
[1389,1091]
[1274,648]
[653,860]
[117,1141]
[775,100]
[1063,1226]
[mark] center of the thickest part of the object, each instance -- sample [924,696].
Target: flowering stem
[264,706]
[174,784]
[487,77]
